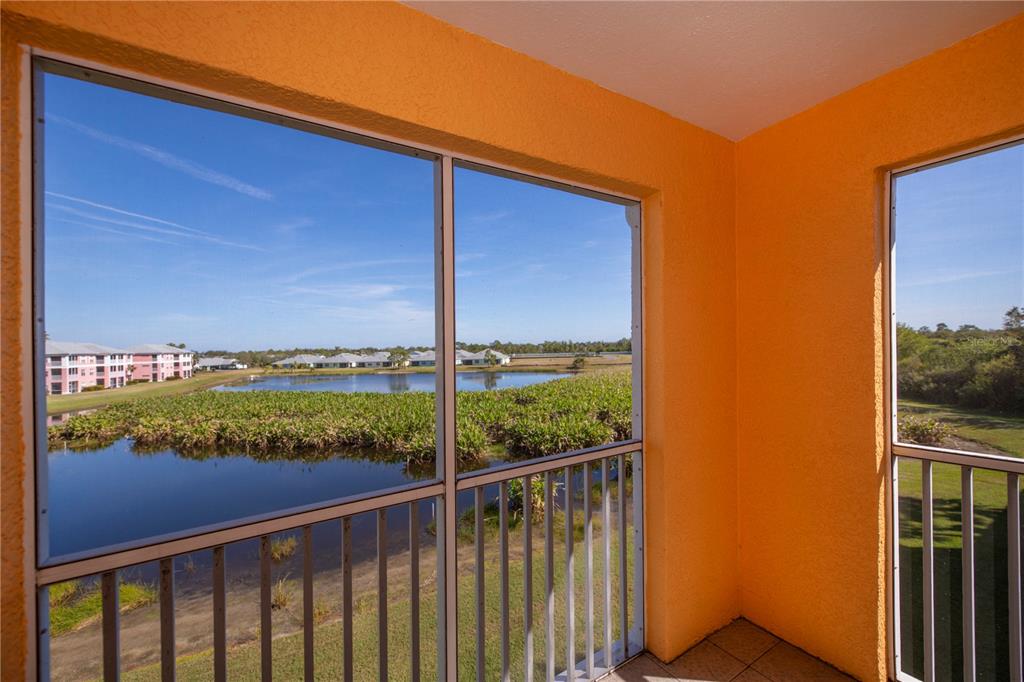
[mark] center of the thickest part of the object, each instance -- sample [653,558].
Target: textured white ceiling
[730,67]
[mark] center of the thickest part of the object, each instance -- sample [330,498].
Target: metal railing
[925,643]
[603,482]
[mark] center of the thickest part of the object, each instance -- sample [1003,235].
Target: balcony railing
[550,579]
[940,630]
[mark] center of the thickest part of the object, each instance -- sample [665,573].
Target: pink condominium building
[159,362]
[72,367]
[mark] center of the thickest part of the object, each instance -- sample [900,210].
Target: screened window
[958,308]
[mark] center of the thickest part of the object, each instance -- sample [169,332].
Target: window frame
[894,449]
[40,62]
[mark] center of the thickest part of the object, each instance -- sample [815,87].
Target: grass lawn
[1004,432]
[56,404]
[73,604]
[244,660]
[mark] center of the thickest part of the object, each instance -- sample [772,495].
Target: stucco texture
[810,201]
[390,69]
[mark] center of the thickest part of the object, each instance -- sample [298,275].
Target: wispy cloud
[347,291]
[165,158]
[957,277]
[111,230]
[172,229]
[351,265]
[490,217]
[290,226]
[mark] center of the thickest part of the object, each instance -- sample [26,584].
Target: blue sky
[167,223]
[960,241]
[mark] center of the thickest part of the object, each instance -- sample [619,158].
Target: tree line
[263,358]
[968,366]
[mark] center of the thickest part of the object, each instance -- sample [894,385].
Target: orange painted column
[810,203]
[392,70]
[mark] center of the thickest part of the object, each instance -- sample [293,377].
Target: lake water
[114,495]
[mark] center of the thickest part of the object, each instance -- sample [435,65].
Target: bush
[91,389]
[922,430]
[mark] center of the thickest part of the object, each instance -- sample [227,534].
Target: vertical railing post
[623,574]
[606,532]
[346,598]
[481,615]
[528,578]
[111,627]
[1013,549]
[588,566]
[928,559]
[967,568]
[220,628]
[382,594]
[570,579]
[167,620]
[549,579]
[414,588]
[307,603]
[266,638]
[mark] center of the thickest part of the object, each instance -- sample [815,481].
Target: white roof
[304,359]
[157,349]
[481,355]
[423,355]
[216,362]
[343,358]
[79,348]
[379,356]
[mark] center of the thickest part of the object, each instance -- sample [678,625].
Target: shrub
[922,430]
[281,594]
[90,389]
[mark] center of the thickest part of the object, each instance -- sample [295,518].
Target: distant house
[159,362]
[301,362]
[485,357]
[378,359]
[423,358]
[71,366]
[210,364]
[341,360]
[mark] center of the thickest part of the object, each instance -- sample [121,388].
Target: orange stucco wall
[810,388]
[390,69]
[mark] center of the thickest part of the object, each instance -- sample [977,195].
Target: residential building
[485,357]
[302,361]
[341,360]
[424,358]
[71,367]
[218,363]
[160,362]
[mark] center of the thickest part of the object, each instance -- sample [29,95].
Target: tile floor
[739,652]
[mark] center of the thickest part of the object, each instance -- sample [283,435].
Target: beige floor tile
[706,663]
[744,640]
[786,663]
[641,669]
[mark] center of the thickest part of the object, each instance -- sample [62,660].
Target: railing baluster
[623,591]
[1013,526]
[549,578]
[346,595]
[570,580]
[111,626]
[266,640]
[929,566]
[382,594]
[528,578]
[503,549]
[478,498]
[606,527]
[220,629]
[414,587]
[167,620]
[307,602]
[967,567]
[588,550]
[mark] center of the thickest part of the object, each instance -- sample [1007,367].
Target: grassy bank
[564,414]
[91,400]
[74,603]
[999,431]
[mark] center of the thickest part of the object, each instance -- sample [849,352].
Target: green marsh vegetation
[517,423]
[76,603]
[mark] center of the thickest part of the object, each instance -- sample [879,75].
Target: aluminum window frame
[893,448]
[43,570]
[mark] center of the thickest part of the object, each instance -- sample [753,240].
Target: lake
[114,494]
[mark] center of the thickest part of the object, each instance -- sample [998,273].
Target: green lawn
[90,400]
[244,660]
[1004,432]
[73,604]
